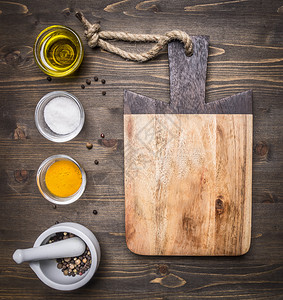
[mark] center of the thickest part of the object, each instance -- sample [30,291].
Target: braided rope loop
[97,38]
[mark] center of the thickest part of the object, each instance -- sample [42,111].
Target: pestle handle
[66,248]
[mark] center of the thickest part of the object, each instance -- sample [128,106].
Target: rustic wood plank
[188,184]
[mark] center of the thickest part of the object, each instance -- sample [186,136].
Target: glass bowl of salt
[59,116]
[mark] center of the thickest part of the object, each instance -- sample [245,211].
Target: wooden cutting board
[188,165]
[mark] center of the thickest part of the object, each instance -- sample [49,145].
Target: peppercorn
[82,86]
[94,212]
[49,78]
[89,145]
[59,266]
[103,93]
[72,266]
[95,78]
[102,135]
[103,81]
[96,162]
[88,82]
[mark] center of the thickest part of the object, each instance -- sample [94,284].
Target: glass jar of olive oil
[58,51]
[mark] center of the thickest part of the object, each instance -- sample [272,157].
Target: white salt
[62,115]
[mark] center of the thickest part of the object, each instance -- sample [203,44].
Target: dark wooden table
[246,52]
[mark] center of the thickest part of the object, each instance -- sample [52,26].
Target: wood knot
[270,198]
[21,57]
[163,269]
[20,133]
[261,149]
[21,176]
[109,143]
[219,206]
[13,58]
[170,281]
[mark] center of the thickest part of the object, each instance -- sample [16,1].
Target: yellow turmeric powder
[63,178]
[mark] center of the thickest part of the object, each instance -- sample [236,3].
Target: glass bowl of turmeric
[60,179]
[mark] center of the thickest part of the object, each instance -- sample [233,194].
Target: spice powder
[63,178]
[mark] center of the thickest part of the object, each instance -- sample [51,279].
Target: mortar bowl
[47,271]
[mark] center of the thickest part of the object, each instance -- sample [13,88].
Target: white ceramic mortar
[47,271]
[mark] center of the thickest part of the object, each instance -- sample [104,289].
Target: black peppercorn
[96,162]
[103,81]
[94,212]
[95,78]
[82,86]
[88,82]
[49,78]
[103,93]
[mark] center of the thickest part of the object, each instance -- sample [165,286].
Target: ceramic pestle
[66,248]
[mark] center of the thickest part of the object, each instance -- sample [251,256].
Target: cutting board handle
[187,87]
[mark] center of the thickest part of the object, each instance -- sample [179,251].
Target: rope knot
[96,37]
[183,37]
[92,34]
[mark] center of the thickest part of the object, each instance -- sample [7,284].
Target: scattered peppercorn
[95,78]
[49,78]
[54,206]
[103,81]
[102,135]
[103,93]
[89,145]
[95,213]
[56,222]
[82,86]
[96,162]
[88,82]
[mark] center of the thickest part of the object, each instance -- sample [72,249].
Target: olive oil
[61,52]
[58,51]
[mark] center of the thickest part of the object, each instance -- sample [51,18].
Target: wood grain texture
[245,52]
[188,184]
